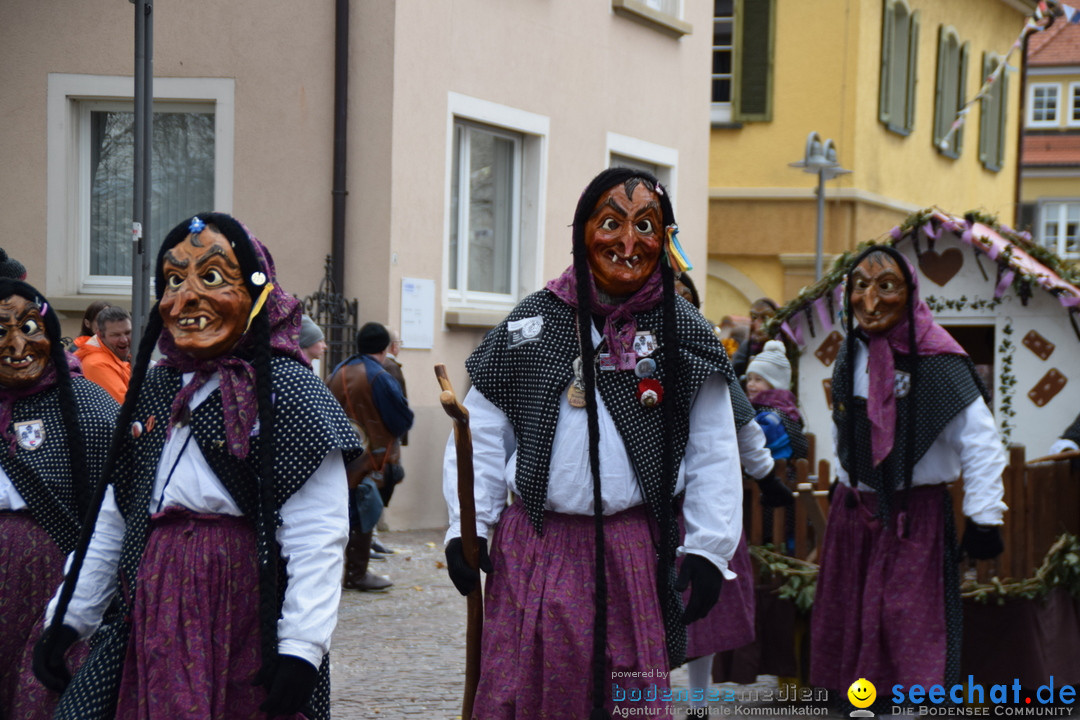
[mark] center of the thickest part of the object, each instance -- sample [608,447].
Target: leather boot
[357,554]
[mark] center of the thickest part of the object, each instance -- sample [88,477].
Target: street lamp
[820,158]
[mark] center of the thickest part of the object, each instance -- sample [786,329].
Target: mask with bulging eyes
[24,345]
[205,304]
[624,238]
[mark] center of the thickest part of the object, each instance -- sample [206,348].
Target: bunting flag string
[1046,9]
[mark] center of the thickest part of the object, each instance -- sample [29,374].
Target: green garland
[1006,382]
[1060,568]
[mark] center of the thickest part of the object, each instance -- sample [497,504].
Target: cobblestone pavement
[400,653]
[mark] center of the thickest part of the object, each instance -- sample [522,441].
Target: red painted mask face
[624,238]
[879,294]
[205,305]
[24,346]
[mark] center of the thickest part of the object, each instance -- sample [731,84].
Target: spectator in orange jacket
[106,357]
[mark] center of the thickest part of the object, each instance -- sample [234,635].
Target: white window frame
[1060,205]
[721,112]
[527,267]
[1052,122]
[664,159]
[67,214]
[1072,117]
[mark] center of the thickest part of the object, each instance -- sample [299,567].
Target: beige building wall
[596,81]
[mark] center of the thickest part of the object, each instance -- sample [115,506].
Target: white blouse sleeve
[313,534]
[712,508]
[97,578]
[493,444]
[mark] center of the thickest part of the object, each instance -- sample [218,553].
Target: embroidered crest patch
[524,330]
[901,384]
[30,434]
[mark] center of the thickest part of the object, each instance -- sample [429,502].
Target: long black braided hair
[69,414]
[255,346]
[876,252]
[607,179]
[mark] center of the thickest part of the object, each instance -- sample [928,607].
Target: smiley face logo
[862,693]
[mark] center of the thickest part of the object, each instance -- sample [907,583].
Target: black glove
[291,684]
[465,578]
[704,580]
[774,493]
[981,542]
[48,664]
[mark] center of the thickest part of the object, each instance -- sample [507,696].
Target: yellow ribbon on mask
[259,304]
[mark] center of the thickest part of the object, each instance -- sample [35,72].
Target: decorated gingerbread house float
[1014,306]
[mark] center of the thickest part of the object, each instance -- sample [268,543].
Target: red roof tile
[1060,45]
[1051,150]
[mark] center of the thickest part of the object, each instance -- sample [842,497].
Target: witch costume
[563,572]
[54,436]
[222,532]
[909,417]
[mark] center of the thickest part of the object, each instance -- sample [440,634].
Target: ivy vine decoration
[937,304]
[799,577]
[1006,381]
[1060,568]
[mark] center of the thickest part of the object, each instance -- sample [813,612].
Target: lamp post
[820,158]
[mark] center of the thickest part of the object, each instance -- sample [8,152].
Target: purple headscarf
[619,324]
[930,339]
[238,397]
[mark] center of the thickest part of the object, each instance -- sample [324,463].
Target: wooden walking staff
[474,628]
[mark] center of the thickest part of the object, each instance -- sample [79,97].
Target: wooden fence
[1043,500]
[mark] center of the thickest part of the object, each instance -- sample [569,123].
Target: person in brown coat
[376,404]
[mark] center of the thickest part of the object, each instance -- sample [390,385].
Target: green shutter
[1002,115]
[992,117]
[941,123]
[961,96]
[912,74]
[753,70]
[886,55]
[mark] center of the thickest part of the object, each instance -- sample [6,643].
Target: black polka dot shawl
[43,475]
[308,424]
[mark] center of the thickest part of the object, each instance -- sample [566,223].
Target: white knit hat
[772,364]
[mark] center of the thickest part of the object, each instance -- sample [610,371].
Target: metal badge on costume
[644,343]
[30,434]
[575,394]
[524,330]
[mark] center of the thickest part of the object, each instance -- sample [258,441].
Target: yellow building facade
[883,80]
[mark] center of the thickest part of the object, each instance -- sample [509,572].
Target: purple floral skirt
[879,609]
[730,624]
[539,609]
[194,646]
[31,569]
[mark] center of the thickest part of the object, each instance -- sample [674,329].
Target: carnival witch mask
[24,346]
[879,293]
[205,304]
[624,237]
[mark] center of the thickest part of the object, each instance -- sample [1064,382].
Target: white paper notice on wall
[417,313]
